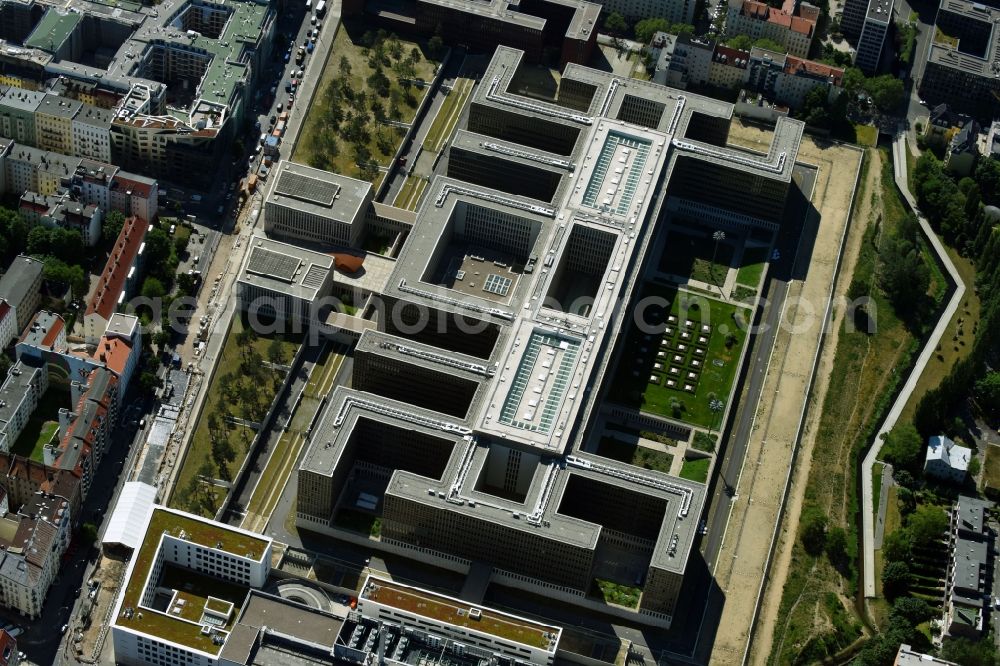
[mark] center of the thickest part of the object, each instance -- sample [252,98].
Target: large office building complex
[467,423]
[563,29]
[963,58]
[192,595]
[315,207]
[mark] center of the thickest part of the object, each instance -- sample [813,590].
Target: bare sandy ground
[752,524]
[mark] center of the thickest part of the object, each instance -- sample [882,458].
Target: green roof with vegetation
[453,612]
[53,30]
[184,630]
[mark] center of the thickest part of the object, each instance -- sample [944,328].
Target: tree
[153,288]
[149,382]
[927,524]
[615,24]
[987,392]
[161,338]
[853,81]
[895,579]
[969,653]
[903,446]
[886,91]
[39,242]
[770,45]
[740,43]
[112,225]
[836,550]
[158,248]
[187,283]
[88,533]
[813,532]
[912,610]
[646,28]
[897,546]
[345,67]
[415,55]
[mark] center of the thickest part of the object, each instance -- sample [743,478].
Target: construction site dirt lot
[88,631]
[743,559]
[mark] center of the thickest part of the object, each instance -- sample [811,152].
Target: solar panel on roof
[272,264]
[306,188]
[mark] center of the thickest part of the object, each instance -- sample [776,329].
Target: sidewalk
[868,528]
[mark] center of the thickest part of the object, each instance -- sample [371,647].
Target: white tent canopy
[131,515]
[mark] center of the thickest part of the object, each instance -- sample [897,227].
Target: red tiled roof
[112,280]
[802,25]
[794,65]
[732,55]
[114,353]
[143,190]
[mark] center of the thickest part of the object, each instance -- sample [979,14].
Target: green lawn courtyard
[691,356]
[42,424]
[751,266]
[696,469]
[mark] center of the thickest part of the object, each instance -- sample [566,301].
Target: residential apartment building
[728,68]
[963,59]
[8,324]
[874,32]
[17,114]
[21,287]
[134,195]
[19,396]
[85,429]
[792,25]
[62,211]
[92,133]
[314,206]
[89,182]
[969,578]
[118,280]
[681,60]
[54,124]
[788,80]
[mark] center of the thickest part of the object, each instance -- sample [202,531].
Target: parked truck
[271,145]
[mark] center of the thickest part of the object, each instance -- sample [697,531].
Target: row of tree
[941,199]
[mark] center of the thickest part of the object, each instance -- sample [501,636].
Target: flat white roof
[131,515]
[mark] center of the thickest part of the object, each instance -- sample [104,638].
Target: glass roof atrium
[616,174]
[538,386]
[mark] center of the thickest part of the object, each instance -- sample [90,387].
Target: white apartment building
[19,397]
[92,133]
